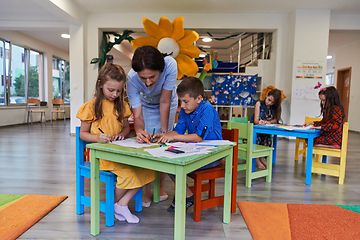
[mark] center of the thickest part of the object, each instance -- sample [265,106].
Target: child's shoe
[189,203]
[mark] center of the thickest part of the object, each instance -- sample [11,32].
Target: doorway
[343,87]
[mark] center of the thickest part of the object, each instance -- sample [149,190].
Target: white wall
[310,44]
[17,114]
[349,56]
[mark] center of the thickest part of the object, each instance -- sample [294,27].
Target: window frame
[10,75]
[62,76]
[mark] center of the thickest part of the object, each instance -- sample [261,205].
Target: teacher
[151,88]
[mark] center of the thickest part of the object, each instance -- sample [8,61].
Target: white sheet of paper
[296,128]
[160,152]
[129,142]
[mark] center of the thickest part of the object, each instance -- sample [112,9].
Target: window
[23,78]
[61,79]
[329,80]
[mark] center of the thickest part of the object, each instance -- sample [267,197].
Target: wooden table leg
[309,154]
[95,194]
[227,188]
[180,203]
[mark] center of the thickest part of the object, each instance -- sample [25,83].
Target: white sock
[119,216]
[125,212]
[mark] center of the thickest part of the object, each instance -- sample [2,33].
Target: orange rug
[300,221]
[19,212]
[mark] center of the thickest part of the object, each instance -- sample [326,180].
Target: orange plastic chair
[337,170]
[210,175]
[302,140]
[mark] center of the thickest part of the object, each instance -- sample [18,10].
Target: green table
[177,166]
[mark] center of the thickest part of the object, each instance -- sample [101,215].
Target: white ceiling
[217,6]
[33,12]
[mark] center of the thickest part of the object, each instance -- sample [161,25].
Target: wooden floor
[40,159]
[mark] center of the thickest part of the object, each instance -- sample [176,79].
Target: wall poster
[309,69]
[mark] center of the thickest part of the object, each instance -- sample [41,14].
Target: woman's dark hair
[192,86]
[109,71]
[148,57]
[332,99]
[277,102]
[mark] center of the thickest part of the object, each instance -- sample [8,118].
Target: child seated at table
[199,118]
[267,111]
[331,125]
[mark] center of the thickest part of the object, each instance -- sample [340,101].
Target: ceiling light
[202,55]
[329,57]
[65,35]
[206,39]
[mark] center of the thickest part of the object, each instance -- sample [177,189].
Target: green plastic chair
[240,119]
[248,151]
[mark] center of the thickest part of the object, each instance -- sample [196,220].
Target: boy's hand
[104,138]
[165,138]
[141,136]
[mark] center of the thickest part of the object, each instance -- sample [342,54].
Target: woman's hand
[141,136]
[104,138]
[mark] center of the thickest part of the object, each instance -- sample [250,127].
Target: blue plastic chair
[109,178]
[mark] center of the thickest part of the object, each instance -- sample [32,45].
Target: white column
[309,34]
[77,70]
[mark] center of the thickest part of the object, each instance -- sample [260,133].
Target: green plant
[107,45]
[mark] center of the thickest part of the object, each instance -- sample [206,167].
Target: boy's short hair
[192,86]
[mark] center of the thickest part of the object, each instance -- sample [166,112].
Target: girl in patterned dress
[267,111]
[104,119]
[331,125]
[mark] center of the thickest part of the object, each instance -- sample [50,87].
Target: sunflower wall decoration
[172,39]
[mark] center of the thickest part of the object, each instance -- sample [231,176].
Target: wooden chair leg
[197,200]
[249,164]
[269,167]
[109,201]
[297,145]
[212,188]
[79,192]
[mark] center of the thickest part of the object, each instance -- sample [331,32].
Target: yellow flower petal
[189,38]
[178,29]
[152,29]
[186,65]
[142,41]
[165,26]
[179,75]
[192,51]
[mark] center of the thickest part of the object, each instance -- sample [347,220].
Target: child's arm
[174,136]
[87,136]
[257,119]
[124,132]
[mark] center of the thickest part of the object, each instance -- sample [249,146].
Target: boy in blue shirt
[199,118]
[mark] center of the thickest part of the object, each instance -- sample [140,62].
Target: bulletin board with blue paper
[234,90]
